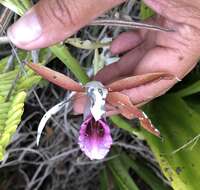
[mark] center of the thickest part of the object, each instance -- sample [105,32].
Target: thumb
[51,21]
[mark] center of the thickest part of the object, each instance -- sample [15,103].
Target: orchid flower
[94,137]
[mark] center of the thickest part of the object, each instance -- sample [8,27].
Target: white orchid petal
[55,109]
[46,117]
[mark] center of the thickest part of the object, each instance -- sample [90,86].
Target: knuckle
[63,12]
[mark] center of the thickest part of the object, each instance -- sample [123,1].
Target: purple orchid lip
[94,138]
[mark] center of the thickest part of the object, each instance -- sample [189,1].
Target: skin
[144,51]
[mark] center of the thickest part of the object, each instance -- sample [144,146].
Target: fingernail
[26,30]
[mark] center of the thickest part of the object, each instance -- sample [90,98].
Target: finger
[51,21]
[126,41]
[150,91]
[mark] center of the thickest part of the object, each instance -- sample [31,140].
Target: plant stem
[129,24]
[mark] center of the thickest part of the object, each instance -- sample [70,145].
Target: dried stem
[129,24]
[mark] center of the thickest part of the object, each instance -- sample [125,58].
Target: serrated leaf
[11,111]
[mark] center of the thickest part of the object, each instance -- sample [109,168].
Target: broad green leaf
[121,166]
[121,175]
[178,153]
[140,167]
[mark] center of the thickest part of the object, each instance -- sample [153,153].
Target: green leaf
[178,153]
[140,167]
[18,6]
[145,12]
[121,175]
[104,183]
[120,168]
[192,89]
[13,113]
[123,124]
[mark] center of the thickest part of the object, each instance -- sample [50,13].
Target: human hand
[149,51]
